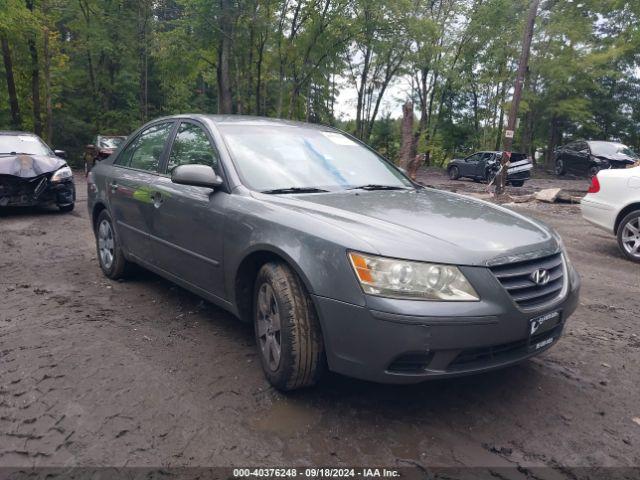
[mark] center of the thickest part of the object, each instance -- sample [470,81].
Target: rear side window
[192,147]
[145,151]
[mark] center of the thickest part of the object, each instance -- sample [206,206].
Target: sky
[396,94]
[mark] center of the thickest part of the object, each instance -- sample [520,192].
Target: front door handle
[157,199]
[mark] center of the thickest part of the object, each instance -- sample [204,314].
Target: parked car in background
[483,167]
[101,148]
[613,203]
[587,158]
[32,174]
[336,257]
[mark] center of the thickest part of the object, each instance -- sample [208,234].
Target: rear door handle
[157,199]
[114,187]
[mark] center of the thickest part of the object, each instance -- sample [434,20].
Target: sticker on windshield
[339,139]
[25,138]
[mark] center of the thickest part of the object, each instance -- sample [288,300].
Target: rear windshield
[26,144]
[611,148]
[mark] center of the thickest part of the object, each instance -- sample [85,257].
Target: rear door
[130,188]
[188,221]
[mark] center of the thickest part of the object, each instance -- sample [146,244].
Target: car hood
[29,166]
[617,157]
[428,225]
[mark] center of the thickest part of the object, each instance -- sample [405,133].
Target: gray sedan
[337,258]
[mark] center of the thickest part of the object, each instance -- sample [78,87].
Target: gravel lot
[143,373]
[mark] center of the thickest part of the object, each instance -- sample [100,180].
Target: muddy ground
[143,373]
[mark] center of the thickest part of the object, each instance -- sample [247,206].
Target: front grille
[486,355]
[516,279]
[12,186]
[411,363]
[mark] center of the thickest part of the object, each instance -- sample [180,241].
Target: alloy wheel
[106,244]
[559,167]
[631,237]
[269,326]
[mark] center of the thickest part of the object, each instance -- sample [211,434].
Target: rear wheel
[454,173]
[287,330]
[629,236]
[110,256]
[517,183]
[593,171]
[560,168]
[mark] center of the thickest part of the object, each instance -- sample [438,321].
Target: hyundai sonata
[337,258]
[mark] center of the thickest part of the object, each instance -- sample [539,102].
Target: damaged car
[31,174]
[589,157]
[101,148]
[484,166]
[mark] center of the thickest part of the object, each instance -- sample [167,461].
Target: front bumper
[373,343]
[49,193]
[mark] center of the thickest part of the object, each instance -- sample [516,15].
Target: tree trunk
[11,84]
[35,78]
[47,88]
[225,102]
[407,147]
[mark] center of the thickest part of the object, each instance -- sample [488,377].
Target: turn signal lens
[595,185]
[389,277]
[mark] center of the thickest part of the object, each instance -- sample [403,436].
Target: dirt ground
[143,373]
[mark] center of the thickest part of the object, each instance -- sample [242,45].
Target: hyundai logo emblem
[540,277]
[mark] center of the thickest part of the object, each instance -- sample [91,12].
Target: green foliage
[107,66]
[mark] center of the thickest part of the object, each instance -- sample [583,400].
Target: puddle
[287,418]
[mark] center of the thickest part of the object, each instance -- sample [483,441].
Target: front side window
[473,158]
[145,151]
[192,146]
[281,156]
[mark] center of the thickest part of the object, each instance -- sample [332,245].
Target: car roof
[249,120]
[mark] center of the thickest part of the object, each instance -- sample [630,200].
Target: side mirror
[60,153]
[196,175]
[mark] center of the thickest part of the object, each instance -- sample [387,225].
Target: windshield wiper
[373,186]
[295,190]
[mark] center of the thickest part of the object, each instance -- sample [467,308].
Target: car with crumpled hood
[335,256]
[31,174]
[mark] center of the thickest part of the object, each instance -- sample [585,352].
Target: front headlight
[62,174]
[388,277]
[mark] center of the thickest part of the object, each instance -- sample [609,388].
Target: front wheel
[287,330]
[517,183]
[593,171]
[560,168]
[629,236]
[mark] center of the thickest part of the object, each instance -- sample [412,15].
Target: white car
[613,203]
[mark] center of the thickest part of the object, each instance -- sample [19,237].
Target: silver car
[337,258]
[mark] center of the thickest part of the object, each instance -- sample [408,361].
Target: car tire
[110,256]
[517,183]
[629,236]
[66,208]
[593,171]
[454,173]
[287,330]
[560,168]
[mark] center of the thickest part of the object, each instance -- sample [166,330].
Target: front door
[129,189]
[188,221]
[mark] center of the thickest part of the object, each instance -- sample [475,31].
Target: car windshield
[29,144]
[611,148]
[297,158]
[110,142]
